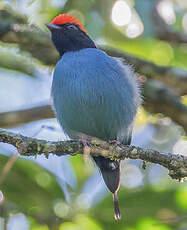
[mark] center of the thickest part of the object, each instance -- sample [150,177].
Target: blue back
[95,94]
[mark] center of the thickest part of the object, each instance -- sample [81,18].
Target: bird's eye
[74,27]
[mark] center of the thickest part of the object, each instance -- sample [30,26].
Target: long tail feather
[117,214]
[110,171]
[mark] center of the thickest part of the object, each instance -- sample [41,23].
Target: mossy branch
[26,146]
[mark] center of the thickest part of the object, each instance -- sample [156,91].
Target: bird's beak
[52,26]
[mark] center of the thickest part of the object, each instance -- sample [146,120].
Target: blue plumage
[93,94]
[96,95]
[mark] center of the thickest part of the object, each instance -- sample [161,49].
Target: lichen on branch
[26,146]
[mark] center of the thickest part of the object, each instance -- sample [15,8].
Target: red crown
[65,18]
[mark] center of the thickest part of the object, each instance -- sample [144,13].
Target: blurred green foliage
[30,179]
[33,191]
[37,193]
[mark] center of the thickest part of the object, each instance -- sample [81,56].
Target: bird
[93,94]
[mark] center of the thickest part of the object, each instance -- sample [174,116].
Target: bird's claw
[114,142]
[85,143]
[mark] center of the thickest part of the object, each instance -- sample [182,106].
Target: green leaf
[86,222]
[151,224]
[86,169]
[181,197]
[69,226]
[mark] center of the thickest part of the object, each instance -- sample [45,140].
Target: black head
[69,37]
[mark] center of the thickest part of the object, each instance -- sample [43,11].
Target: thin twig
[33,113]
[164,31]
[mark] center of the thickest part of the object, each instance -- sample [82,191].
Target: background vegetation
[64,192]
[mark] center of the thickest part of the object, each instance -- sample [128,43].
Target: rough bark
[26,146]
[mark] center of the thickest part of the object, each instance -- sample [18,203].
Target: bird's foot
[114,142]
[85,142]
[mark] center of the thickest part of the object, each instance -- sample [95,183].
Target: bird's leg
[114,142]
[84,142]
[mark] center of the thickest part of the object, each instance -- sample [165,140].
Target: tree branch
[161,99]
[176,164]
[18,117]
[171,76]
[165,32]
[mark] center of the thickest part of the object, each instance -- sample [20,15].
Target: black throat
[67,39]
